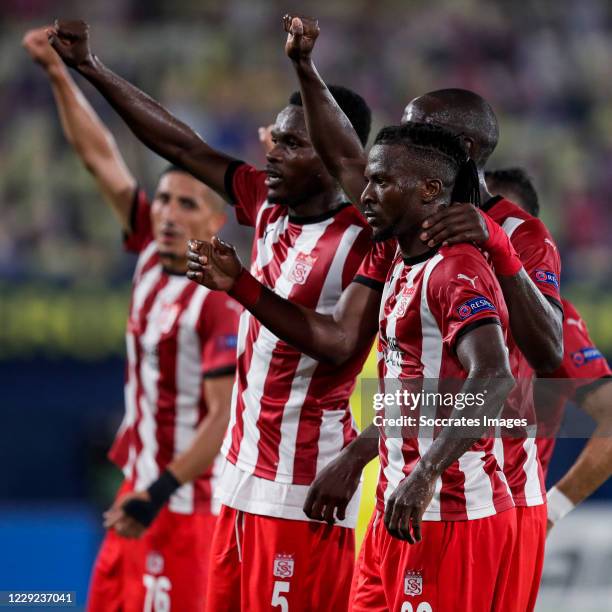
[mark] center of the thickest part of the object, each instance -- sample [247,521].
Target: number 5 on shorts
[280,587]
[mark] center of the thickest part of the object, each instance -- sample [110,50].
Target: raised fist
[36,43]
[302,32]
[71,41]
[213,264]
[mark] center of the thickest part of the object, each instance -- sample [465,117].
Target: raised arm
[330,131]
[84,130]
[331,338]
[149,120]
[482,352]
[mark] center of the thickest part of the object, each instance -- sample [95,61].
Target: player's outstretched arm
[84,130]
[330,131]
[149,120]
[482,352]
[328,338]
[131,514]
[335,485]
[537,325]
[594,464]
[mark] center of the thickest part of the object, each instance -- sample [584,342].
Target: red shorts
[459,565]
[528,557]
[267,563]
[166,569]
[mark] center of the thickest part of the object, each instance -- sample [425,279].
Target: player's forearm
[452,442]
[591,469]
[535,324]
[156,127]
[203,449]
[81,125]
[363,448]
[315,334]
[330,131]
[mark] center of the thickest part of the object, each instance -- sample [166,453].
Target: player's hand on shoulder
[36,43]
[213,264]
[116,518]
[459,222]
[332,490]
[407,504]
[71,41]
[302,32]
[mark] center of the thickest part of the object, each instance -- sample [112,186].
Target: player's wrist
[89,65]
[504,258]
[246,289]
[145,511]
[558,505]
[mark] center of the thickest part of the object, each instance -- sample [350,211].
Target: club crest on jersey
[155,563]
[474,306]
[413,583]
[301,268]
[283,566]
[167,316]
[545,276]
[584,355]
[404,299]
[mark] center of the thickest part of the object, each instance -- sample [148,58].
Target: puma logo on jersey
[576,322]
[470,280]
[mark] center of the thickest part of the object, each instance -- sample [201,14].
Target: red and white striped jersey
[540,257]
[290,413]
[428,303]
[584,365]
[178,333]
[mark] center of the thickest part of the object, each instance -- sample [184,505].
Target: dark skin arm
[331,338]
[330,131]
[483,354]
[149,120]
[336,483]
[536,324]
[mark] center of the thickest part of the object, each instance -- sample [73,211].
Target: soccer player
[290,413]
[448,491]
[181,348]
[586,369]
[532,294]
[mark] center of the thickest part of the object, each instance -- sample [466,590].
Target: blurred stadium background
[64,280]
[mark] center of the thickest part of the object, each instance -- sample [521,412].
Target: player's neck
[485,194]
[411,246]
[317,205]
[174,265]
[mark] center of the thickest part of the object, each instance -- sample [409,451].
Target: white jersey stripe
[511,224]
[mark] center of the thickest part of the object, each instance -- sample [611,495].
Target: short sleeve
[247,191]
[463,294]
[141,232]
[218,329]
[375,265]
[540,257]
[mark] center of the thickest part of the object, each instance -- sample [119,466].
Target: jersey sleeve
[218,329]
[463,294]
[247,191]
[375,265]
[583,363]
[140,233]
[540,257]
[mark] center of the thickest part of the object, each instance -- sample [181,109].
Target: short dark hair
[172,168]
[441,147]
[517,180]
[353,106]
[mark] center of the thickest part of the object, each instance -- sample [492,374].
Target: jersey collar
[412,261]
[299,220]
[491,202]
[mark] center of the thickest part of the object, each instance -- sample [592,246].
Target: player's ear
[430,189]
